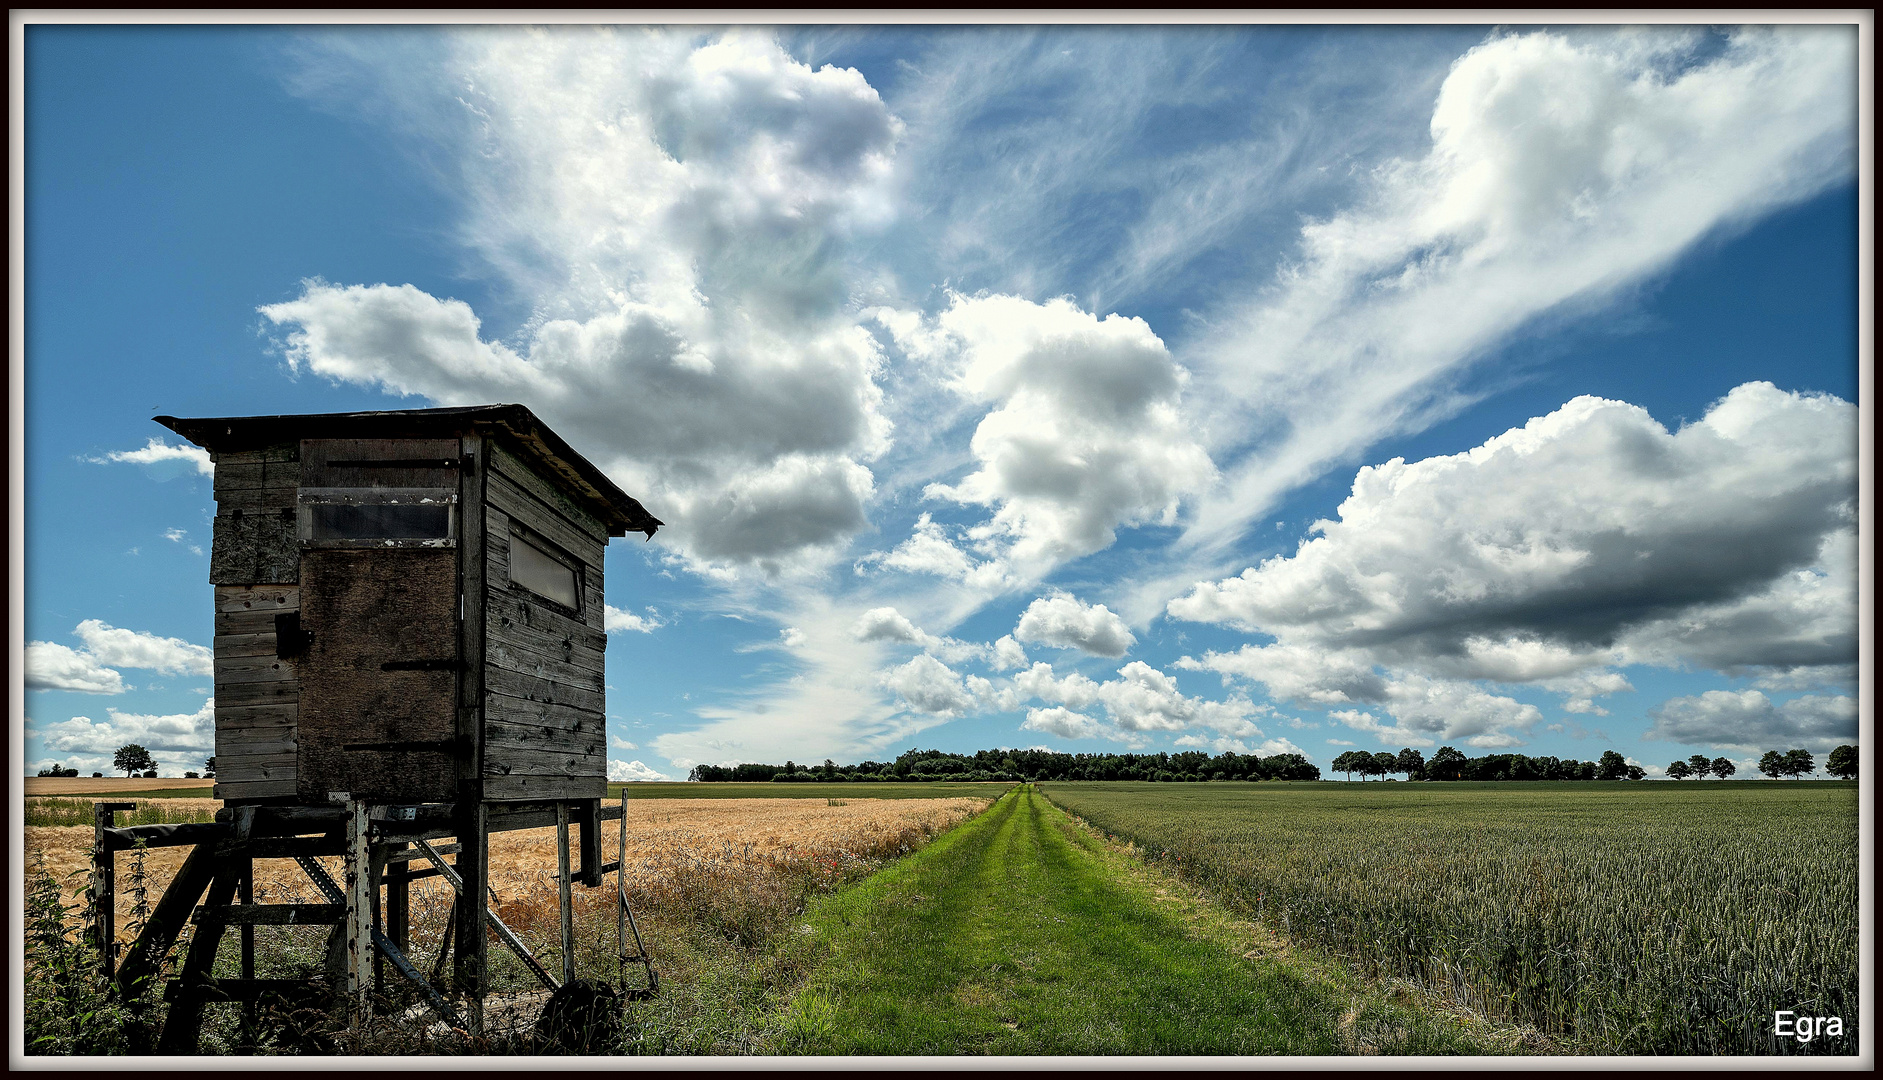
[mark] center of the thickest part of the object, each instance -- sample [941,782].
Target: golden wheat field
[664,836]
[116,785]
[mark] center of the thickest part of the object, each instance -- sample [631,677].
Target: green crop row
[53,811]
[1633,918]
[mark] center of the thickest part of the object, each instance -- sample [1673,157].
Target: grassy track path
[1017,934]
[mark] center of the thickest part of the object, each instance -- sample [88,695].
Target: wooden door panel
[380,675]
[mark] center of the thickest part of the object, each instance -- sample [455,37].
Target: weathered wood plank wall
[253,542]
[257,693]
[544,692]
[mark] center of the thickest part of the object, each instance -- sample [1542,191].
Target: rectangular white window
[542,573]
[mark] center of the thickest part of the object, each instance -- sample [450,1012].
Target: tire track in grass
[1014,934]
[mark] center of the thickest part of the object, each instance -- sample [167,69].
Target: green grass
[1626,917]
[1018,933]
[859,790]
[75,810]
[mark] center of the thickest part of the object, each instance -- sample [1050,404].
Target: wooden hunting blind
[409,647]
[408,606]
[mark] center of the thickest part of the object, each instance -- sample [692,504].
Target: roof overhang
[526,434]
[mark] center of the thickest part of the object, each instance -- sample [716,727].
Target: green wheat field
[1634,918]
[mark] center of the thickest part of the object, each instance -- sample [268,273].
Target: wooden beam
[588,816]
[471,950]
[398,896]
[248,914]
[104,889]
[146,954]
[185,1018]
[359,914]
[563,898]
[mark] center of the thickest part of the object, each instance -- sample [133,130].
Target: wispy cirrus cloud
[1562,169]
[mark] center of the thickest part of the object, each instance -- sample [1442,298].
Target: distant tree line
[1842,763]
[1447,763]
[917,766]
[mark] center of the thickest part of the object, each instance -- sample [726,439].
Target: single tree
[1410,762]
[133,759]
[1724,767]
[209,766]
[1446,764]
[1701,765]
[1635,772]
[1680,770]
[1772,764]
[1345,763]
[1842,763]
[1612,767]
[1384,764]
[1800,763]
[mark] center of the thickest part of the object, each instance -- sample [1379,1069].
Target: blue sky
[1266,389]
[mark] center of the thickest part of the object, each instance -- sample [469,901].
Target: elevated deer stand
[409,647]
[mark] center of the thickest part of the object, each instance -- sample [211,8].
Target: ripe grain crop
[669,840]
[1631,918]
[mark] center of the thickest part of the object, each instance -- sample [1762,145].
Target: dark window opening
[388,521]
[542,573]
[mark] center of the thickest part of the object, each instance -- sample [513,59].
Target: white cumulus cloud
[1086,433]
[615,619]
[1063,722]
[1065,622]
[1589,537]
[930,686]
[52,666]
[116,647]
[163,460]
[633,771]
[92,669]
[176,741]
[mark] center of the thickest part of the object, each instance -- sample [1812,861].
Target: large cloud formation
[1748,720]
[677,211]
[1589,537]
[1561,169]
[177,741]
